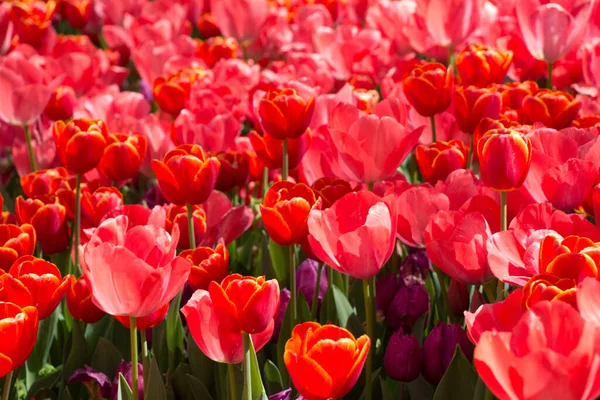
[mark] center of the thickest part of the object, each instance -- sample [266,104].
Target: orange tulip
[556,110]
[123,156]
[285,212]
[18,329]
[49,220]
[284,114]
[177,215]
[43,182]
[15,242]
[186,175]
[481,66]
[217,48]
[504,158]
[545,287]
[472,104]
[80,304]
[269,150]
[32,20]
[80,143]
[208,265]
[324,362]
[172,92]
[437,160]
[428,88]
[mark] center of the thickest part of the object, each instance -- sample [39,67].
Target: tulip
[177,215]
[217,48]
[132,272]
[438,350]
[329,190]
[546,287]
[324,361]
[125,369]
[472,104]
[245,27]
[408,305]
[44,282]
[95,382]
[208,265]
[416,264]
[504,157]
[123,156]
[356,235]
[80,143]
[80,304]
[553,109]
[14,291]
[172,93]
[147,322]
[19,328]
[95,206]
[428,88]
[76,12]
[284,114]
[42,182]
[61,105]
[387,287]
[218,317]
[284,300]
[186,175]
[207,27]
[437,160]
[307,279]
[458,297]
[285,212]
[49,221]
[370,148]
[527,362]
[402,360]
[233,172]
[15,242]
[481,66]
[513,95]
[269,150]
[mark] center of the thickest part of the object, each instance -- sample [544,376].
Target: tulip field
[299,199]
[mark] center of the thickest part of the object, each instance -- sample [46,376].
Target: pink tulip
[371,147]
[552,28]
[244,26]
[356,235]
[588,300]
[550,353]
[418,203]
[223,221]
[132,272]
[24,90]
[391,17]
[461,185]
[6,29]
[450,22]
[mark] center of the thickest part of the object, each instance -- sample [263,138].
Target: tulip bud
[438,350]
[125,369]
[428,88]
[284,114]
[481,66]
[409,304]
[415,264]
[403,359]
[61,104]
[306,280]
[79,302]
[284,299]
[386,289]
[96,382]
[458,297]
[439,159]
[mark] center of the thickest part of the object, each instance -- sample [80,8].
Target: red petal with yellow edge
[573,266]
[308,377]
[261,308]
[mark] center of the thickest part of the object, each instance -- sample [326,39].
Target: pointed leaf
[65,394]
[39,355]
[106,358]
[273,377]
[342,305]
[76,357]
[154,389]
[252,378]
[459,381]
[420,389]
[279,261]
[125,392]
[198,389]
[174,325]
[202,367]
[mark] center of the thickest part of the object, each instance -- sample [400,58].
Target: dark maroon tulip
[386,289]
[306,280]
[409,304]
[403,359]
[284,299]
[438,350]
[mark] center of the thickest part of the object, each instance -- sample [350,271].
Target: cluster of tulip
[242,199]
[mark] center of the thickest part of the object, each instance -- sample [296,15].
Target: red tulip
[546,287]
[324,362]
[123,156]
[186,175]
[504,157]
[246,26]
[501,316]
[49,221]
[284,114]
[43,182]
[44,282]
[356,235]
[513,95]
[553,109]
[233,172]
[285,211]
[80,304]
[269,150]
[132,272]
[216,49]
[76,12]
[437,160]
[588,301]
[218,317]
[32,21]
[147,322]
[95,206]
[481,66]
[15,242]
[208,265]
[171,93]
[472,104]
[528,362]
[177,215]
[207,27]
[18,328]
[14,291]
[329,190]
[80,143]
[428,88]
[573,257]
[61,104]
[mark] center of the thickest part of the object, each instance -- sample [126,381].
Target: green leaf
[154,389]
[459,381]
[76,357]
[385,391]
[480,390]
[285,334]
[174,326]
[198,389]
[419,328]
[106,358]
[45,382]
[39,355]
[274,380]
[279,261]
[202,367]
[303,309]
[420,389]
[94,332]
[252,378]
[65,394]
[342,305]
[181,384]
[125,392]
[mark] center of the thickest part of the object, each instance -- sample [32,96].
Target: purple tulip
[403,359]
[283,395]
[438,350]
[386,289]
[284,299]
[415,266]
[409,304]
[306,280]
[125,369]
[96,382]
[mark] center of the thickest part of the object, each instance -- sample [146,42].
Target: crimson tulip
[61,104]
[19,329]
[80,143]
[428,88]
[80,304]
[553,109]
[49,221]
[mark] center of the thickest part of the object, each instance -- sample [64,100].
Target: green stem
[293,301]
[503,211]
[433,133]
[315,299]
[7,385]
[550,69]
[284,169]
[369,295]
[192,234]
[32,162]
[265,182]
[439,293]
[471,150]
[134,358]
[77,219]
[145,359]
[232,383]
